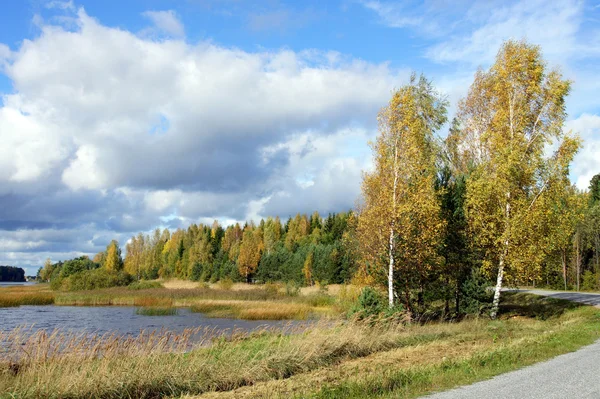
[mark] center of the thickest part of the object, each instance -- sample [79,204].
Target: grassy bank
[342,360]
[251,302]
[26,295]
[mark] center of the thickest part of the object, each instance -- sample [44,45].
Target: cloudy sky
[121,116]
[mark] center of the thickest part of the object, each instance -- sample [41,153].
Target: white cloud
[587,161]
[166,22]
[83,171]
[552,25]
[108,89]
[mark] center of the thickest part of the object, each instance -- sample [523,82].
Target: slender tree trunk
[391,270]
[391,243]
[502,260]
[496,301]
[564,266]
[577,259]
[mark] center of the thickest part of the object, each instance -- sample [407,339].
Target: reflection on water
[122,320]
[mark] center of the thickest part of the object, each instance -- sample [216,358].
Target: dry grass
[26,295]
[252,302]
[254,310]
[179,284]
[325,360]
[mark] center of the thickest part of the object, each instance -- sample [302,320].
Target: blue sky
[120,116]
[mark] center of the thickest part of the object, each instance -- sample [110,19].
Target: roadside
[587,298]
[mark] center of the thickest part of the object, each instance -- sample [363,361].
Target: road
[572,375]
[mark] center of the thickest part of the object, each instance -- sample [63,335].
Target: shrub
[590,281]
[91,280]
[292,288]
[477,298]
[226,284]
[272,289]
[370,303]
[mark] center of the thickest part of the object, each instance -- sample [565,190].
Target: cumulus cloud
[587,161]
[120,132]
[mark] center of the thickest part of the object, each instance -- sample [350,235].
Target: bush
[590,281]
[144,285]
[272,289]
[226,284]
[91,280]
[370,303]
[477,297]
[292,288]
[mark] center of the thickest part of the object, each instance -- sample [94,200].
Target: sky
[117,117]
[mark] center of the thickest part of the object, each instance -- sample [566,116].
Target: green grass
[156,311]
[416,381]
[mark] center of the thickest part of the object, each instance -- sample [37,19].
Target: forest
[442,217]
[12,274]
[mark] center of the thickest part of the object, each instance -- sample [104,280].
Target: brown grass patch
[253,310]
[179,284]
[26,295]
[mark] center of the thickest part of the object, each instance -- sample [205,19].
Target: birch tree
[399,226]
[513,112]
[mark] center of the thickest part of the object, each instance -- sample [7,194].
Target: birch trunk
[564,265]
[498,289]
[501,263]
[391,243]
[391,270]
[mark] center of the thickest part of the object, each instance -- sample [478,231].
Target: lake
[13,284]
[123,320]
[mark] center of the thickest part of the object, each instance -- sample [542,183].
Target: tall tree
[511,113]
[399,226]
[250,252]
[113,261]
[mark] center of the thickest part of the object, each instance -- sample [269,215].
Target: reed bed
[319,359]
[156,311]
[124,296]
[11,298]
[253,310]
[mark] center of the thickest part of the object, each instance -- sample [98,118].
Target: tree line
[12,274]
[304,250]
[439,220]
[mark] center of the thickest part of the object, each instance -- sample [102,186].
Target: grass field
[328,360]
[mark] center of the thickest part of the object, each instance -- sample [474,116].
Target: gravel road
[572,375]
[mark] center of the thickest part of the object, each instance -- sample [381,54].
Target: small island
[12,274]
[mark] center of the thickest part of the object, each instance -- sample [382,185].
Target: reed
[253,310]
[12,298]
[323,360]
[156,311]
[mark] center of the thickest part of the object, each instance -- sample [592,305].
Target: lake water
[11,284]
[123,320]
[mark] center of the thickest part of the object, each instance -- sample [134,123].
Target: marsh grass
[144,285]
[156,311]
[253,310]
[325,359]
[26,295]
